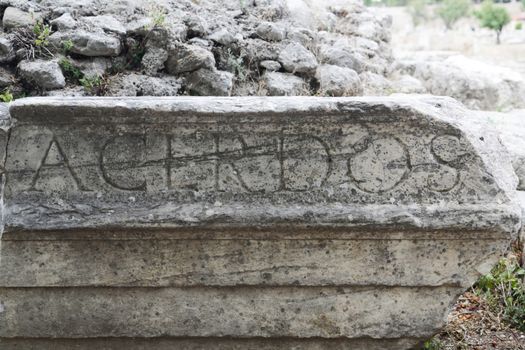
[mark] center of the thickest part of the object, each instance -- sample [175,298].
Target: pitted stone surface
[245,223]
[251,161]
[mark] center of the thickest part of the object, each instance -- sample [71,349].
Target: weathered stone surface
[295,58]
[284,84]
[106,23]
[7,51]
[207,82]
[246,223]
[127,150]
[222,312]
[338,81]
[43,74]
[143,85]
[227,258]
[64,22]
[270,31]
[188,58]
[476,84]
[14,18]
[271,66]
[511,127]
[223,37]
[88,43]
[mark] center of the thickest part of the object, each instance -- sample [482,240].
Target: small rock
[186,58]
[223,37]
[270,31]
[338,81]
[205,44]
[143,85]
[257,50]
[46,75]
[341,56]
[106,23]
[375,84]
[303,36]
[139,26]
[295,58]
[153,60]
[7,51]
[206,82]
[14,18]
[88,43]
[197,26]
[177,32]
[284,84]
[64,22]
[270,65]
[406,84]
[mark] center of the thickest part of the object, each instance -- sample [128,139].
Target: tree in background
[417,9]
[451,11]
[493,17]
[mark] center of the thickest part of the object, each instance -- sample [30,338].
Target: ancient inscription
[355,159]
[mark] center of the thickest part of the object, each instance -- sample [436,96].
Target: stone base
[233,289]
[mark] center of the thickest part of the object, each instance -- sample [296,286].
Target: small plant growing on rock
[504,287]
[417,9]
[158,16]
[95,85]
[451,11]
[67,45]
[42,32]
[236,65]
[493,17]
[34,41]
[518,26]
[6,96]
[72,73]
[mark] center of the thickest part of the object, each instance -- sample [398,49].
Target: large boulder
[478,85]
[511,128]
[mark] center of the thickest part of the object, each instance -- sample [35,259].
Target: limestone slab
[179,162]
[245,223]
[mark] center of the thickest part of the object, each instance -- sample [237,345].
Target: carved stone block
[236,222]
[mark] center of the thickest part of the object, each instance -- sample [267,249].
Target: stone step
[299,312]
